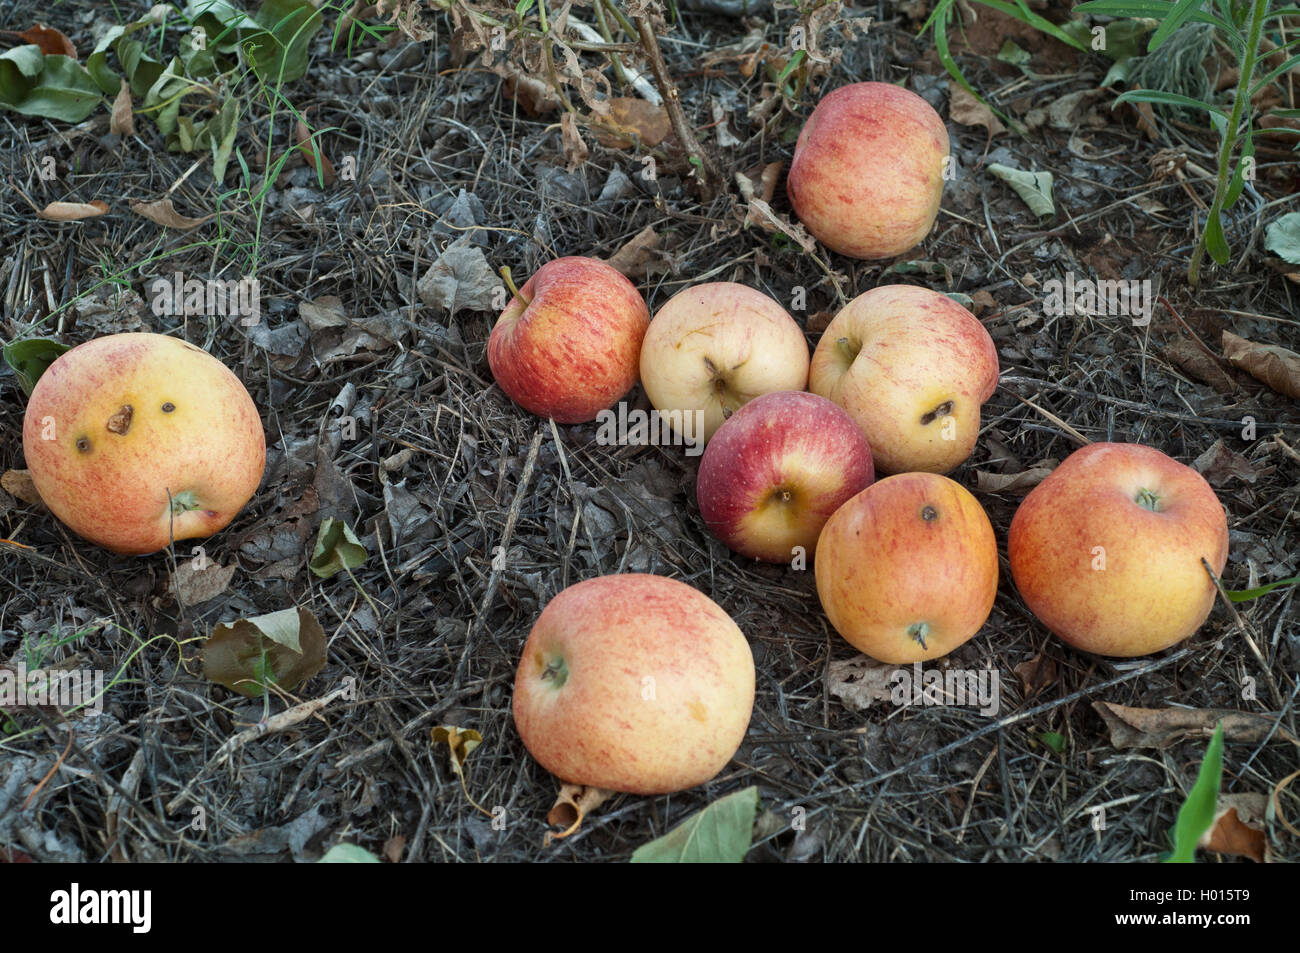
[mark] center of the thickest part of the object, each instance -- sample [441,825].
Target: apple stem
[510,283]
[1147,500]
[849,350]
[918,631]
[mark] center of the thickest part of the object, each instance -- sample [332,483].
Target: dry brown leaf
[860,682]
[193,586]
[1162,727]
[1022,482]
[1146,119]
[532,94]
[50,40]
[1192,360]
[1273,365]
[1036,674]
[393,848]
[1238,827]
[122,121]
[1221,464]
[315,157]
[760,181]
[162,212]
[18,484]
[634,258]
[572,804]
[325,312]
[969,111]
[632,120]
[760,213]
[72,211]
[575,150]
[982,301]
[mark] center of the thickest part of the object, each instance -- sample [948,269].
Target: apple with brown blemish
[634,683]
[714,347]
[907,570]
[1107,550]
[135,440]
[912,367]
[868,170]
[775,472]
[567,344]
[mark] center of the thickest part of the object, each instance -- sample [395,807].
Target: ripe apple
[1107,550]
[134,440]
[777,469]
[907,569]
[867,172]
[634,683]
[715,346]
[912,367]
[566,345]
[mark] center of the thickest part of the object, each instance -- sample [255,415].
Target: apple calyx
[721,389]
[943,410]
[185,501]
[918,631]
[555,672]
[929,513]
[1147,500]
[849,348]
[120,422]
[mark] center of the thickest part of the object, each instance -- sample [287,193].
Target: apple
[907,569]
[912,367]
[868,170]
[1107,550]
[634,683]
[776,470]
[135,440]
[713,347]
[566,346]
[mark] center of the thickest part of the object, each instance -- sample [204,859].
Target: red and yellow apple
[713,347]
[776,470]
[567,344]
[134,440]
[912,367]
[1107,550]
[907,569]
[868,170]
[634,683]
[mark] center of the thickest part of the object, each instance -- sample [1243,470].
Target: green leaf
[719,834]
[1215,243]
[51,86]
[1239,174]
[1169,99]
[1176,17]
[1197,813]
[348,854]
[337,548]
[1035,188]
[285,647]
[1014,55]
[229,124]
[280,53]
[1153,9]
[1053,740]
[1245,595]
[791,65]
[30,358]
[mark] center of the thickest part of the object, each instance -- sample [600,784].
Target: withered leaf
[1021,483]
[285,647]
[193,586]
[460,741]
[859,682]
[966,109]
[317,159]
[1162,727]
[1036,674]
[162,212]
[636,254]
[1238,827]
[122,120]
[1192,360]
[51,41]
[1220,465]
[632,120]
[573,803]
[72,211]
[18,483]
[1273,365]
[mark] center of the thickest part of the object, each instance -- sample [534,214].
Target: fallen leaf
[632,120]
[1282,237]
[719,834]
[162,212]
[194,586]
[1034,188]
[721,128]
[1238,827]
[760,181]
[1220,465]
[1146,118]
[122,120]
[348,854]
[18,483]
[460,280]
[1162,727]
[393,848]
[966,108]
[1273,365]
[1022,482]
[29,358]
[1036,674]
[983,301]
[286,647]
[760,213]
[636,254]
[1192,360]
[337,548]
[572,804]
[72,211]
[575,150]
[310,147]
[534,95]
[325,312]
[461,743]
[860,682]
[51,41]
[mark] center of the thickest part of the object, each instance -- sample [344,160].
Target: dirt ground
[433,479]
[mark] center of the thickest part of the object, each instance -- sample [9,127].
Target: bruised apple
[634,683]
[134,440]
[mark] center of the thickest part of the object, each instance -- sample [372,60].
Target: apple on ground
[134,440]
[868,170]
[567,344]
[776,470]
[907,570]
[912,367]
[1107,550]
[635,683]
[714,347]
